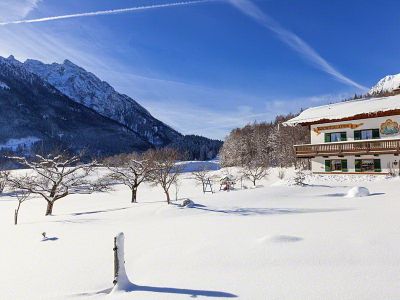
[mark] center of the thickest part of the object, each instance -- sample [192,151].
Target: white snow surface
[386,84]
[269,242]
[340,110]
[357,191]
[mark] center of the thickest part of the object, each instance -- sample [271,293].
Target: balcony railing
[382,146]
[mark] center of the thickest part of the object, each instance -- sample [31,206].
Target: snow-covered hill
[386,84]
[87,89]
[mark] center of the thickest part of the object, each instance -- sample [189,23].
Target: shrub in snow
[3,180]
[281,174]
[299,177]
[357,191]
[187,203]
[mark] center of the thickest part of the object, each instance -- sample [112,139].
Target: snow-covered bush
[281,173]
[3,180]
[299,177]
[357,191]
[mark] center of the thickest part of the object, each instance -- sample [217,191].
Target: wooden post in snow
[116,262]
[121,281]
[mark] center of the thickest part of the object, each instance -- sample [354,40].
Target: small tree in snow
[54,177]
[3,180]
[254,172]
[21,196]
[166,172]
[131,170]
[281,173]
[299,177]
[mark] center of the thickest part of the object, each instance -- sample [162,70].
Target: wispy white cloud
[103,12]
[293,41]
[16,9]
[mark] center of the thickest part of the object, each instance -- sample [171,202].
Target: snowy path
[272,242]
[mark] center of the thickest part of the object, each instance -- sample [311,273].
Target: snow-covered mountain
[35,114]
[87,89]
[386,84]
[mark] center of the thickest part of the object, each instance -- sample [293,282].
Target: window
[335,165]
[367,134]
[368,165]
[335,137]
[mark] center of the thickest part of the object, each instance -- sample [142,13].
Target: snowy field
[276,241]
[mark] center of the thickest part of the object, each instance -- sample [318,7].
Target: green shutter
[344,165]
[375,133]
[327,165]
[343,136]
[327,137]
[358,165]
[357,134]
[377,165]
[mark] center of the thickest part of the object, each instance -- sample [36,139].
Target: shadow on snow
[165,290]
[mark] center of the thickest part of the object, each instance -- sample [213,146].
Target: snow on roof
[348,109]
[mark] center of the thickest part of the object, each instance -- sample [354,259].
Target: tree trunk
[49,209]
[16,213]
[168,198]
[254,182]
[134,195]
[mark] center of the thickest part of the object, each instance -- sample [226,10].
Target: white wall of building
[387,162]
[366,124]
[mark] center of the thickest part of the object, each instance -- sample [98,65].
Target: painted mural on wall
[389,127]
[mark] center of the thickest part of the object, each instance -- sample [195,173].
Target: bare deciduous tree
[3,180]
[55,176]
[166,172]
[254,172]
[21,196]
[131,170]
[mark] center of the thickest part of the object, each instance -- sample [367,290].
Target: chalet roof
[349,110]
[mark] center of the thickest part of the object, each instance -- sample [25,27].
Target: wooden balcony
[381,146]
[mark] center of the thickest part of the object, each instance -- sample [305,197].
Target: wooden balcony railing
[382,146]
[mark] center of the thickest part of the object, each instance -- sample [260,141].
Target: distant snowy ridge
[386,84]
[87,89]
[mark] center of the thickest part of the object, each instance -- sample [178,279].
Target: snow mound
[188,203]
[357,191]
[285,239]
[280,239]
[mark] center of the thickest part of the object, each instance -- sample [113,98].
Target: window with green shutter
[344,165]
[377,165]
[357,134]
[358,165]
[327,137]
[375,133]
[335,137]
[366,134]
[327,165]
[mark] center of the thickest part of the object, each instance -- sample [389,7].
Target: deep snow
[275,241]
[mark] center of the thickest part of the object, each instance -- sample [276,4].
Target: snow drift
[357,191]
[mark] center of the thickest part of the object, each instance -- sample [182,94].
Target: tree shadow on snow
[165,290]
[98,211]
[271,211]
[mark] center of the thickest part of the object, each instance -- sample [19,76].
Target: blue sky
[206,68]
